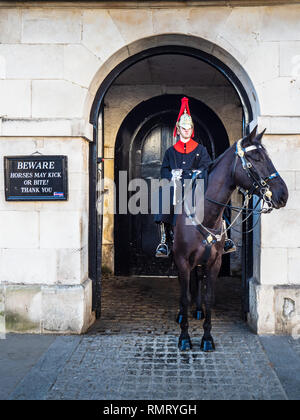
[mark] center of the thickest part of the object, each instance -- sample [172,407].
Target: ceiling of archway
[171,69]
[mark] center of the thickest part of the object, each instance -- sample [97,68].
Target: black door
[146,158]
[141,144]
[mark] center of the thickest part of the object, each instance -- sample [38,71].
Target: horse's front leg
[209,277]
[184,273]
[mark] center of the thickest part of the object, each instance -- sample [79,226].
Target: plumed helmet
[184,117]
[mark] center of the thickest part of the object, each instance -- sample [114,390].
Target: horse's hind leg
[198,313]
[185,299]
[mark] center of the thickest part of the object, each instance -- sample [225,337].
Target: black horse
[247,165]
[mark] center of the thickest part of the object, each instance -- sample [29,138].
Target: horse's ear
[259,136]
[250,137]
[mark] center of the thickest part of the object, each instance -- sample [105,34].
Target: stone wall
[52,61]
[44,246]
[276,299]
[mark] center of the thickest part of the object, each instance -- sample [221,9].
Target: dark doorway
[247,95]
[143,137]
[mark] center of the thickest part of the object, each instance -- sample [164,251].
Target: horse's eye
[256,156]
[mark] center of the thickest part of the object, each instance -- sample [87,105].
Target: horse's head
[255,172]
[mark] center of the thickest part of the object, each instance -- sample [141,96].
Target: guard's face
[185,133]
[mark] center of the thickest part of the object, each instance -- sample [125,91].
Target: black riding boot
[163,249]
[229,245]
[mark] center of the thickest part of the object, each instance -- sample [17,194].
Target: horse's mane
[215,162]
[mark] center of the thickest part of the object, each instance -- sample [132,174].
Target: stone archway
[116,65]
[145,47]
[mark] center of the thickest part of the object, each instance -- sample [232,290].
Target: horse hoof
[199,315]
[207,345]
[185,344]
[179,318]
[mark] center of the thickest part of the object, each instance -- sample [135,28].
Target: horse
[245,165]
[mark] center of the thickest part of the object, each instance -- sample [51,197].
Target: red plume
[184,105]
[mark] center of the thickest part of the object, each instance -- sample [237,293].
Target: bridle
[258,182]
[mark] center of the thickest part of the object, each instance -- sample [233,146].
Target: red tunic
[185,147]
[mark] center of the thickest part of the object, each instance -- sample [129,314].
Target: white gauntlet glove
[176,174]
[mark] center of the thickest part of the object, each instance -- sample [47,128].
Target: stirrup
[162,251]
[229,246]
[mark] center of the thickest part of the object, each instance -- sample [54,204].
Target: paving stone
[129,363]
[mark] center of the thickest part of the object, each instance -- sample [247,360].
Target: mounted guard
[181,161]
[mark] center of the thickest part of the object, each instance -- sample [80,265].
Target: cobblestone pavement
[132,353]
[141,305]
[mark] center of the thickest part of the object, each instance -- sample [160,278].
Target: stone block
[67,309]
[109,152]
[297,180]
[287,309]
[80,65]
[274,266]
[23,308]
[262,64]
[2,313]
[290,58]
[280,229]
[284,151]
[29,206]
[208,22]
[108,228]
[79,181]
[76,149]
[15,98]
[100,34]
[289,178]
[280,23]
[17,146]
[170,20]
[70,266]
[57,99]
[33,61]
[240,33]
[294,200]
[2,68]
[10,25]
[280,125]
[287,89]
[51,26]
[77,201]
[61,229]
[108,257]
[77,153]
[261,317]
[28,266]
[293,271]
[132,24]
[58,127]
[19,229]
